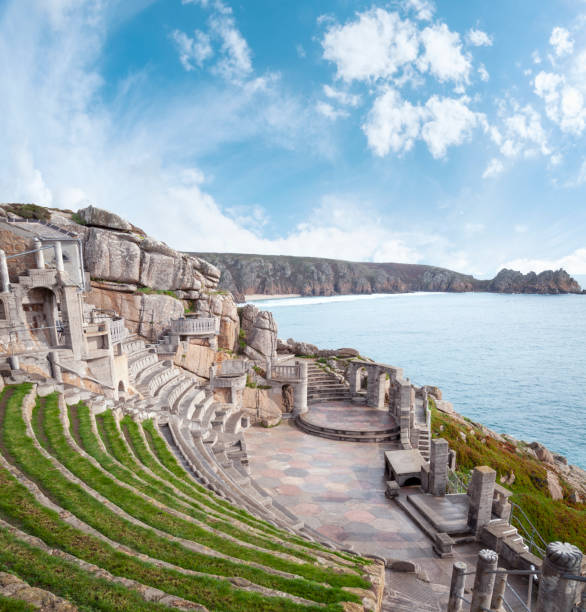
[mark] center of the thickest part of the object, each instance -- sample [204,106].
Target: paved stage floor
[340,415]
[338,489]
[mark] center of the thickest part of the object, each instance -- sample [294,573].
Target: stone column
[480,493]
[352,378]
[457,587]
[438,464]
[39,255]
[484,580]
[74,321]
[56,371]
[498,594]
[376,389]
[557,594]
[58,256]
[300,401]
[405,414]
[4,278]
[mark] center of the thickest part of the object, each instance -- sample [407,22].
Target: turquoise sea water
[516,363]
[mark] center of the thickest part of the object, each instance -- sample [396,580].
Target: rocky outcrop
[259,333]
[99,217]
[271,274]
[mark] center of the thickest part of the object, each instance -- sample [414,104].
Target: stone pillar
[376,389]
[405,414]
[484,580]
[74,321]
[300,401]
[438,464]
[56,371]
[457,587]
[58,256]
[352,378]
[4,278]
[39,255]
[498,594]
[557,594]
[481,492]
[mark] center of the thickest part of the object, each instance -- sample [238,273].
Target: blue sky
[448,133]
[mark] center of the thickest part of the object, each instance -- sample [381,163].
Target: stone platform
[447,514]
[340,421]
[404,466]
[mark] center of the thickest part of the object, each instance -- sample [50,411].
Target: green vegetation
[29,211]
[17,506]
[14,605]
[150,291]
[76,218]
[242,339]
[555,520]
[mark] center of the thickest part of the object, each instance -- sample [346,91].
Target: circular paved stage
[341,416]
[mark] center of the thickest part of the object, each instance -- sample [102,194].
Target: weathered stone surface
[554,487]
[260,333]
[195,358]
[147,315]
[542,453]
[99,217]
[261,405]
[13,587]
[113,257]
[222,305]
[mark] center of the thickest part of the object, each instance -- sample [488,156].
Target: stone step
[388,435]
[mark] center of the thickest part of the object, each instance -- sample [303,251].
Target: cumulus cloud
[376,45]
[561,41]
[573,263]
[478,38]
[483,73]
[422,9]
[564,102]
[494,168]
[443,55]
[394,124]
[522,133]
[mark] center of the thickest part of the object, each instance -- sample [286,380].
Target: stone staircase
[424,444]
[323,386]
[382,435]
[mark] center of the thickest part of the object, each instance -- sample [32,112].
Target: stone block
[443,545]
[392,489]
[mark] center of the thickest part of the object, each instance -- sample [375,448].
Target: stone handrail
[286,372]
[192,326]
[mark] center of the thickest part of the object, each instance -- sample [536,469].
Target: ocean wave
[315,300]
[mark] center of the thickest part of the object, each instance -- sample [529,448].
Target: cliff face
[277,274]
[141,278]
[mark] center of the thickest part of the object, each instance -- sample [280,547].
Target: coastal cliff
[243,275]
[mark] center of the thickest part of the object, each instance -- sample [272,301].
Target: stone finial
[488,556]
[564,555]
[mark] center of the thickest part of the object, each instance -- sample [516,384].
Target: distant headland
[246,275]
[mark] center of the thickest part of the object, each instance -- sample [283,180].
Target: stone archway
[361,380]
[41,313]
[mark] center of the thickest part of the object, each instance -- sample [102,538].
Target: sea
[515,363]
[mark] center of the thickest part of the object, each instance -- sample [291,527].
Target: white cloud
[374,46]
[343,97]
[536,57]
[443,55]
[234,55]
[301,51]
[478,38]
[474,228]
[522,133]
[521,229]
[494,168]
[561,41]
[192,51]
[564,102]
[393,124]
[423,9]
[450,122]
[483,73]
[327,110]
[573,263]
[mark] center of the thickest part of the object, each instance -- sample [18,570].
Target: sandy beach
[270,296]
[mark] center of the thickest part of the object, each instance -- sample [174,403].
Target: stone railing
[40,278]
[196,327]
[118,330]
[285,372]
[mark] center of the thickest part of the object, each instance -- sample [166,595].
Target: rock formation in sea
[278,274]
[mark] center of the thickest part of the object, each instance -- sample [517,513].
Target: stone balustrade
[118,330]
[196,327]
[286,372]
[231,367]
